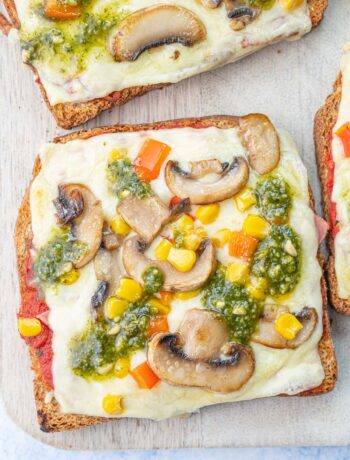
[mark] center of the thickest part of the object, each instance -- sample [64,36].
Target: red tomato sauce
[33,306]
[330,184]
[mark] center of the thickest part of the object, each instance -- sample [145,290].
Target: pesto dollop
[57,256]
[274,198]
[263,4]
[95,348]
[153,279]
[123,179]
[278,260]
[233,304]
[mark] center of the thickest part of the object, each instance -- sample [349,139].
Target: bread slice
[70,114]
[325,120]
[49,416]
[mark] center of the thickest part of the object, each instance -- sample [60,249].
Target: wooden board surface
[287,82]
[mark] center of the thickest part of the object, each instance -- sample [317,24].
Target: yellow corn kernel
[182,259]
[208,213]
[256,288]
[184,224]
[70,277]
[162,250]
[119,226]
[201,231]
[245,199]
[121,367]
[115,307]
[129,290]
[256,226]
[287,325]
[117,154]
[283,297]
[237,272]
[113,404]
[187,295]
[29,327]
[163,309]
[192,241]
[290,5]
[221,237]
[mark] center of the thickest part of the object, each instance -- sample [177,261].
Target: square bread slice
[69,113]
[50,417]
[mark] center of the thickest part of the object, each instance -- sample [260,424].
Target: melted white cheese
[223,45]
[277,371]
[341,189]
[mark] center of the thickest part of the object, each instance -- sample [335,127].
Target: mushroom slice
[148,215]
[203,167]
[267,335]
[85,217]
[183,184]
[175,358]
[211,3]
[155,26]
[240,13]
[111,240]
[135,263]
[261,140]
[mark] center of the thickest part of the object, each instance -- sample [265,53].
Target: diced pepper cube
[242,246]
[117,154]
[119,226]
[287,325]
[129,289]
[208,213]
[121,367]
[115,307]
[113,404]
[184,224]
[158,324]
[344,133]
[60,11]
[257,288]
[29,327]
[161,251]
[237,272]
[245,199]
[256,226]
[187,295]
[221,237]
[144,376]
[150,159]
[166,297]
[160,306]
[290,5]
[182,259]
[192,241]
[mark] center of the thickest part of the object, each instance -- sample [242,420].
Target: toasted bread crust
[49,416]
[70,114]
[325,120]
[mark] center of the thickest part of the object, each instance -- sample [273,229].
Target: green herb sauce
[232,303]
[273,261]
[57,256]
[123,179]
[179,239]
[263,4]
[153,279]
[274,198]
[94,348]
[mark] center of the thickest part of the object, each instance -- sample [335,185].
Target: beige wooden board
[288,82]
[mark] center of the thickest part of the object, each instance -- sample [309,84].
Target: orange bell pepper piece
[242,246]
[166,297]
[158,324]
[55,9]
[144,376]
[150,159]
[344,134]
[174,201]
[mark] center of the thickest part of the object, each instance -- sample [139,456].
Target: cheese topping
[341,189]
[85,161]
[65,79]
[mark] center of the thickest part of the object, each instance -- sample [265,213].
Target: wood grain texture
[287,82]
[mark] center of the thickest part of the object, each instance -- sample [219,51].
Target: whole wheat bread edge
[325,120]
[49,417]
[70,114]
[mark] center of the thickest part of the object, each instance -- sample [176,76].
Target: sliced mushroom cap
[261,141]
[78,204]
[208,369]
[135,263]
[183,184]
[154,26]
[267,335]
[111,240]
[241,13]
[211,3]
